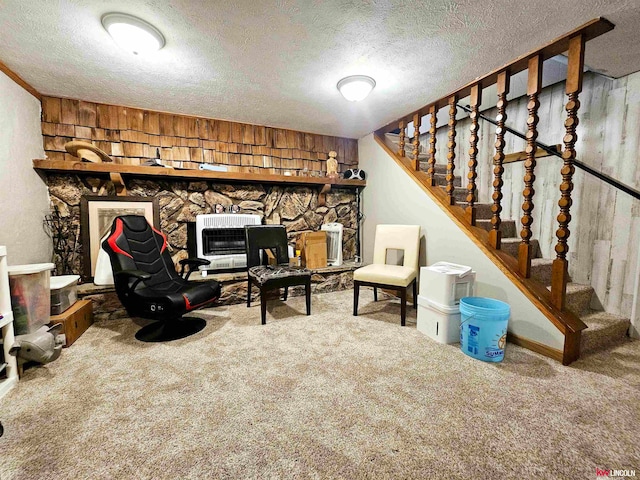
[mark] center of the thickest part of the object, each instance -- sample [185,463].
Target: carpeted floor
[325,396]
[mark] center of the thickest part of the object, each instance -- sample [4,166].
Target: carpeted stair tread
[507,227]
[541,270]
[605,330]
[511,245]
[483,211]
[441,180]
[441,168]
[578,298]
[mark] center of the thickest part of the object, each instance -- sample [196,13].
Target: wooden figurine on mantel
[332,165]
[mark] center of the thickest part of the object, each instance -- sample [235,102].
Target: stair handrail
[554,152]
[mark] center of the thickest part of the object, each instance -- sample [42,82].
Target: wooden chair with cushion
[392,277]
[271,277]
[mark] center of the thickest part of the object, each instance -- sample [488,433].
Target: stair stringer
[396,194]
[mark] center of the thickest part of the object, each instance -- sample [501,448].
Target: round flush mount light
[356,87]
[132,33]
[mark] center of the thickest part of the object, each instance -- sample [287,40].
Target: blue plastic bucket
[483,328]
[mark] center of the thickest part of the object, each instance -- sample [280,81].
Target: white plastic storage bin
[445,283]
[64,292]
[30,297]
[440,322]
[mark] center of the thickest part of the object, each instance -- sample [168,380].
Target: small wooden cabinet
[75,320]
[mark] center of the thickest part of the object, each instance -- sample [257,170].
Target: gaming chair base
[170,330]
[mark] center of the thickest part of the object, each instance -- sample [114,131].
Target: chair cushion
[396,275]
[262,273]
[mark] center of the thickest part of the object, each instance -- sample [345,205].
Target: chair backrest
[135,245]
[260,237]
[399,237]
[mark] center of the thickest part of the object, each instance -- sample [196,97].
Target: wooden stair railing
[560,272]
[503,89]
[552,304]
[433,112]
[475,100]
[534,86]
[416,141]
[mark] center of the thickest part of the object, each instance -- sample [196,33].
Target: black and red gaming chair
[148,285]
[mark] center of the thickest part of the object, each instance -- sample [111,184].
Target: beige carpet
[325,396]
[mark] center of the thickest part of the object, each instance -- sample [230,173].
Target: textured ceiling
[276,62]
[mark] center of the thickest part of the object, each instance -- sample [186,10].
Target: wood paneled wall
[132,136]
[605,227]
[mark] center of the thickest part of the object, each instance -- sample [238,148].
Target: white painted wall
[23,195]
[391,196]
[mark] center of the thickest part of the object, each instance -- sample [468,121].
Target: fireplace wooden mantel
[134,171]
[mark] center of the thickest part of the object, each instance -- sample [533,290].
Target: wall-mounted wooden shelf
[63,166]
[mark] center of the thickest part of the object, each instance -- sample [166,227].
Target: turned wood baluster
[431,173]
[495,235]
[559,270]
[402,124]
[534,86]
[451,156]
[475,100]
[416,141]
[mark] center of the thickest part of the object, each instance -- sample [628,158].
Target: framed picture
[96,217]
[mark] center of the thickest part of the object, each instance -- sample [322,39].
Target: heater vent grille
[220,239]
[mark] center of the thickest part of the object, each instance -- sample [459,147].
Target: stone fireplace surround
[296,207]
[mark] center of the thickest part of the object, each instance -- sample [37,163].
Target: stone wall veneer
[296,207]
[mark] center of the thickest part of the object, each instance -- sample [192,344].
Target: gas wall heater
[334,243]
[220,239]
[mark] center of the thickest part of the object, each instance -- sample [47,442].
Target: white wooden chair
[392,277]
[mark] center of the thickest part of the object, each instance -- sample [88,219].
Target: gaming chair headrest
[136,223]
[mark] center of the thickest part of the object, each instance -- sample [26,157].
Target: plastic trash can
[483,328]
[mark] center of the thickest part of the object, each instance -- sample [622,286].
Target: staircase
[604,330]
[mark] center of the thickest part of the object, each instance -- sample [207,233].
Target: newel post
[560,272]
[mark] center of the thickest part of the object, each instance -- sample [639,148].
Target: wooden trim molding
[88,168]
[19,80]
[534,346]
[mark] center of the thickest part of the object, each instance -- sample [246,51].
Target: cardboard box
[295,261]
[313,246]
[75,320]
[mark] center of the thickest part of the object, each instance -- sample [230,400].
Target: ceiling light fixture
[132,33]
[356,87]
